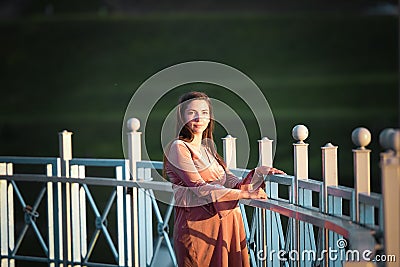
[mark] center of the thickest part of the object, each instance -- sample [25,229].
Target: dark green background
[332,72]
[332,69]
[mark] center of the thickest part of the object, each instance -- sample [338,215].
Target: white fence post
[145,219]
[121,208]
[148,207]
[361,137]
[329,174]
[270,238]
[390,168]
[11,237]
[4,217]
[50,215]
[229,148]
[331,205]
[135,154]
[82,209]
[75,213]
[300,133]
[128,219]
[55,215]
[65,146]
[303,233]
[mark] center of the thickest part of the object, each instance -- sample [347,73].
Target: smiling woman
[197,115]
[208,228]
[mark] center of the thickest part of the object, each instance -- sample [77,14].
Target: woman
[208,229]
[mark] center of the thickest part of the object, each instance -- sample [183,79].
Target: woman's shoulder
[178,149]
[178,144]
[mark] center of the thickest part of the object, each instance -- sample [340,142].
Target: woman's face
[197,115]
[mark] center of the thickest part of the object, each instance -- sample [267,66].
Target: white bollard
[361,137]
[135,155]
[229,148]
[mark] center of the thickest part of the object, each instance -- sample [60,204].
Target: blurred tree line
[21,8]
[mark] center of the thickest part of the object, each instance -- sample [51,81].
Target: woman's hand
[264,170]
[256,194]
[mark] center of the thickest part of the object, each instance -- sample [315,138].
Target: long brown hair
[183,131]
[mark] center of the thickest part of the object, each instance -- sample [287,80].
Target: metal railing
[280,232]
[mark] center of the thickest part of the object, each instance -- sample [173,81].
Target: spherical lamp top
[133,124]
[361,137]
[384,138]
[300,133]
[394,140]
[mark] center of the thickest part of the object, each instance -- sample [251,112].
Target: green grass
[332,73]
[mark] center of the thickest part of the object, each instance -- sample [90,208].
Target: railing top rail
[101,181]
[281,179]
[310,184]
[360,237]
[29,160]
[158,165]
[373,199]
[341,191]
[98,162]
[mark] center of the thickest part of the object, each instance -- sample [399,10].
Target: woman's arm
[255,177]
[181,164]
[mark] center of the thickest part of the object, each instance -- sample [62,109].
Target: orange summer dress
[208,227]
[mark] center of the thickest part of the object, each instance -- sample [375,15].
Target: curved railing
[307,228]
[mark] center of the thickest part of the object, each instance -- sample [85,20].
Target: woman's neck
[197,140]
